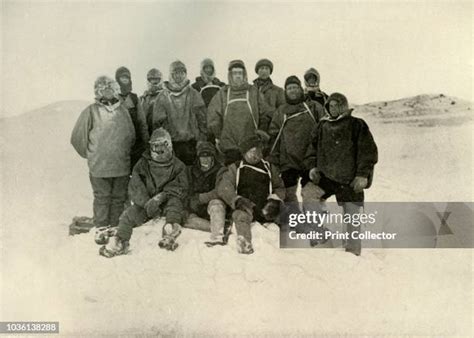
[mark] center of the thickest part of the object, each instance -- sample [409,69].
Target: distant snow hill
[427,110]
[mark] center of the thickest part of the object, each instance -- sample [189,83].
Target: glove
[314,175]
[194,202]
[244,204]
[359,183]
[271,210]
[318,192]
[152,207]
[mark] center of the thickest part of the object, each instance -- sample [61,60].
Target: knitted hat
[292,80]
[154,74]
[205,149]
[264,62]
[105,82]
[236,64]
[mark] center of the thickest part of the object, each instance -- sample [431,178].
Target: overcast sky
[368,50]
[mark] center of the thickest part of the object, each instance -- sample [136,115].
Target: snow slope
[47,275]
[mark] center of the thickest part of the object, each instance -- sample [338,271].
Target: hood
[237,64]
[105,82]
[343,103]
[154,89]
[171,83]
[208,78]
[315,73]
[124,71]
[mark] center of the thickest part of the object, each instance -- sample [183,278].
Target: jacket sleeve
[281,100]
[279,191]
[159,112]
[265,113]
[200,111]
[179,186]
[310,160]
[137,188]
[367,154]
[206,197]
[215,115]
[318,110]
[80,133]
[226,185]
[142,123]
[273,130]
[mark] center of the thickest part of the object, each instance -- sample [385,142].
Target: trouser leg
[118,198]
[216,210]
[102,189]
[353,243]
[132,217]
[242,221]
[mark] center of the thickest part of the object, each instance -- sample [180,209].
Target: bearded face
[161,150]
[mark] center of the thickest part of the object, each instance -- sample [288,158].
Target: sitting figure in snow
[344,154]
[158,187]
[207,211]
[253,188]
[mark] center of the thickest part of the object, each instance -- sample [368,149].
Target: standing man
[343,165]
[291,132]
[237,111]
[180,110]
[274,95]
[132,103]
[149,97]
[207,84]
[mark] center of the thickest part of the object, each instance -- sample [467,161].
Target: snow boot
[244,246]
[103,234]
[114,247]
[170,233]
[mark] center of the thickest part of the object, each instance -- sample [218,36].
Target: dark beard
[294,101]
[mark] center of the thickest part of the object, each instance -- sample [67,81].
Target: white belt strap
[286,119]
[229,101]
[209,86]
[267,171]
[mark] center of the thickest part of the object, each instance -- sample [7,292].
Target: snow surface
[47,275]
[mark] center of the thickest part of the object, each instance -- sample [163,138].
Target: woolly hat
[154,74]
[259,139]
[105,82]
[293,79]
[205,149]
[236,64]
[264,62]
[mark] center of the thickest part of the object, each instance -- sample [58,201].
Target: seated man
[158,187]
[253,188]
[207,210]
